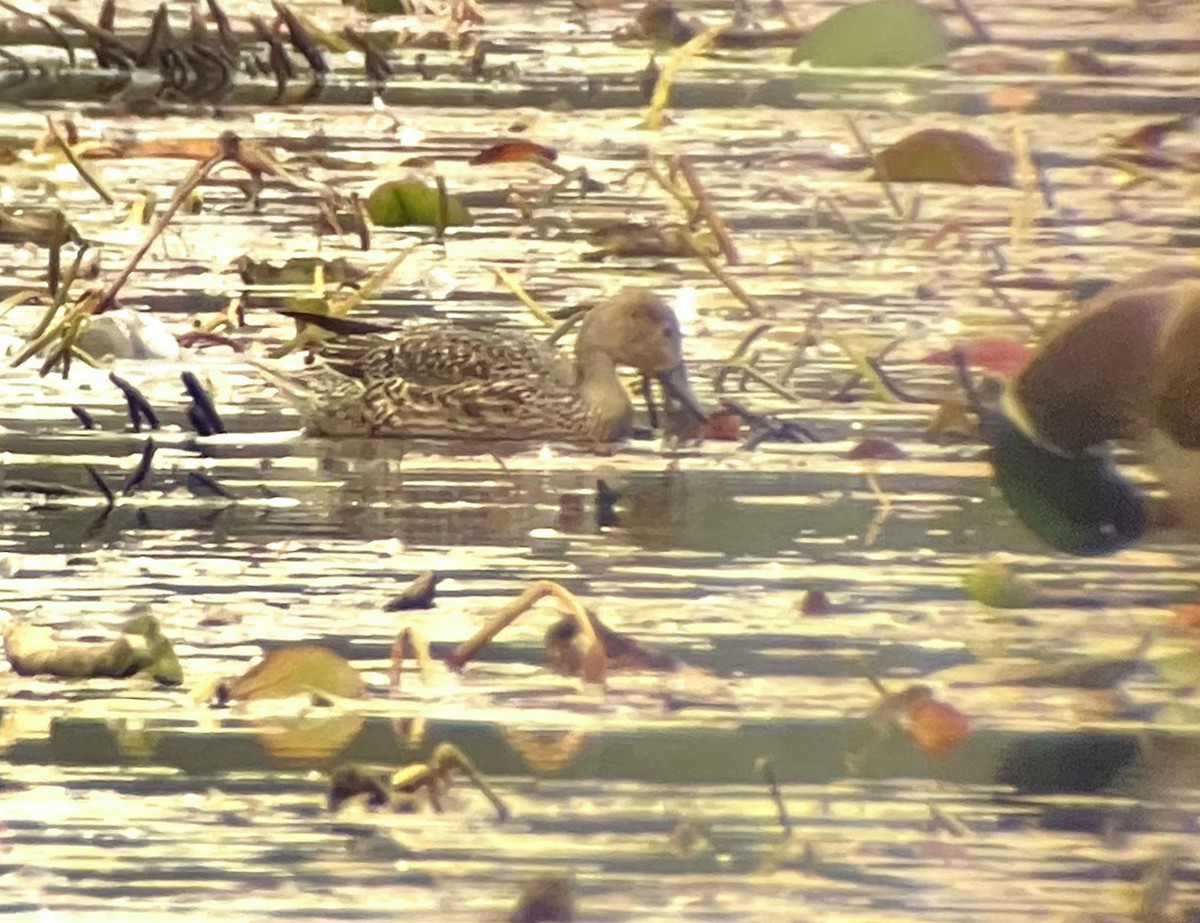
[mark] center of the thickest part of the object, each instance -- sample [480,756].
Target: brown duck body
[450,381]
[1128,368]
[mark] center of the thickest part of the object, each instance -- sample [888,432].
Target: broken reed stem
[696,45]
[524,297]
[594,663]
[864,146]
[409,638]
[982,33]
[694,206]
[752,307]
[84,172]
[227,149]
[459,761]
[749,371]
[42,20]
[1026,177]
[706,210]
[766,769]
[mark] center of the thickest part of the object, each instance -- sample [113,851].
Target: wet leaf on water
[309,737]
[952,418]
[140,648]
[1151,135]
[1186,617]
[411,202]
[632,238]
[689,839]
[550,899]
[45,227]
[998,355]
[418,594]
[298,271]
[935,727]
[721,426]
[382,7]
[816,602]
[876,33]
[295,670]
[1085,61]
[939,155]
[875,448]
[1083,671]
[514,152]
[1181,669]
[412,786]
[994,584]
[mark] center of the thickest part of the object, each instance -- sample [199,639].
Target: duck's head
[1127,367]
[637,328]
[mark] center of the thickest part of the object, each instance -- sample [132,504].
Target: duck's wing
[509,408]
[434,354]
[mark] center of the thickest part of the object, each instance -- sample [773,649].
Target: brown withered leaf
[939,155]
[516,151]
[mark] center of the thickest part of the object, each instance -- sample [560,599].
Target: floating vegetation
[904,565]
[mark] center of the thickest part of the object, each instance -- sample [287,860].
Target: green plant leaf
[877,33]
[993,584]
[408,201]
[296,670]
[1180,669]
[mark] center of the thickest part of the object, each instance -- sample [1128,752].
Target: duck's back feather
[439,354]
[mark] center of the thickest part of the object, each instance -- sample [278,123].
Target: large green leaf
[408,201]
[877,33]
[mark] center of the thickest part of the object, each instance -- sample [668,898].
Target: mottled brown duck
[440,380]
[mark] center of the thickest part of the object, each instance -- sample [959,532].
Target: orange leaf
[721,426]
[992,354]
[514,152]
[935,727]
[1186,617]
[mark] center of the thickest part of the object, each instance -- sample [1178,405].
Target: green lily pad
[993,584]
[877,33]
[408,201]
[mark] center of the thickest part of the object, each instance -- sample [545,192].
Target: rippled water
[117,798]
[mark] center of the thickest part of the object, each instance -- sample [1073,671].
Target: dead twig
[594,660]
[409,638]
[706,210]
[524,297]
[43,21]
[865,146]
[85,172]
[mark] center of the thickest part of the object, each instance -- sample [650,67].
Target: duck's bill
[675,383]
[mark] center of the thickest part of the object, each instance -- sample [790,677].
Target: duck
[1125,368]
[450,381]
